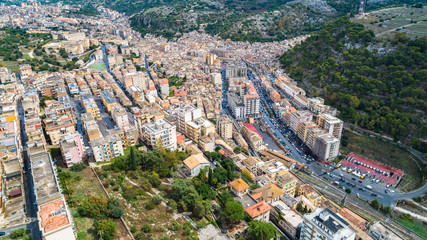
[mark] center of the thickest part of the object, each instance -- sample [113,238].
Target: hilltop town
[107,134]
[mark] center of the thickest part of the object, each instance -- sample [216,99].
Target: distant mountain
[252,20]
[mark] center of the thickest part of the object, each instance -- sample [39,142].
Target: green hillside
[377,84]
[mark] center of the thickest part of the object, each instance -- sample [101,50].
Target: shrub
[146,228]
[149,205]
[17,233]
[78,167]
[117,212]
[140,236]
[156,199]
[165,237]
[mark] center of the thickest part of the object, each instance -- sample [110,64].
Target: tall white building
[331,124]
[324,224]
[216,79]
[160,130]
[185,114]
[225,127]
[326,147]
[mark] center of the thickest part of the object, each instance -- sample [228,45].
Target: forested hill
[378,84]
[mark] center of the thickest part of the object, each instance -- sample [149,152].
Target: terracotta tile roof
[258,209]
[239,185]
[267,192]
[194,160]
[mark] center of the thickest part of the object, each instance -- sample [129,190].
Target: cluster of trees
[104,212]
[231,209]
[12,38]
[301,209]
[378,90]
[159,160]
[380,207]
[87,10]
[187,198]
[224,174]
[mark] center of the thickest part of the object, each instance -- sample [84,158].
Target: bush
[156,199]
[149,205]
[146,228]
[175,226]
[19,233]
[117,212]
[78,167]
[140,236]
[165,237]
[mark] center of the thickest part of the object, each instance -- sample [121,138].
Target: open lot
[389,154]
[384,22]
[85,186]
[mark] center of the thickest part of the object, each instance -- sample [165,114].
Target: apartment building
[299,116]
[90,106]
[216,79]
[108,100]
[120,116]
[160,132]
[303,128]
[323,224]
[288,183]
[106,148]
[57,127]
[331,124]
[163,86]
[251,101]
[72,149]
[288,220]
[55,221]
[185,114]
[259,211]
[326,147]
[136,93]
[224,127]
[199,128]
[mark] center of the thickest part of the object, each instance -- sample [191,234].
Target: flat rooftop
[53,216]
[45,183]
[290,215]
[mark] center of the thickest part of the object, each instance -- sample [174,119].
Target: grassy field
[415,226]
[98,66]
[385,22]
[387,153]
[89,185]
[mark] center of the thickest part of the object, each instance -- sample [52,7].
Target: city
[107,134]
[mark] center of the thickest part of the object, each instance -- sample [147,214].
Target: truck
[368,186]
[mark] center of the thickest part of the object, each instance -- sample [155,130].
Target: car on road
[2,233]
[354,179]
[360,181]
[374,195]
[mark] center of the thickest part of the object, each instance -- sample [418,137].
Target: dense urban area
[158,122]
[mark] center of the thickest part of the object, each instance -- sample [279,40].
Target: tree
[348,190]
[237,150]
[199,209]
[132,159]
[210,177]
[106,229]
[185,193]
[217,148]
[375,204]
[246,176]
[261,230]
[234,211]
